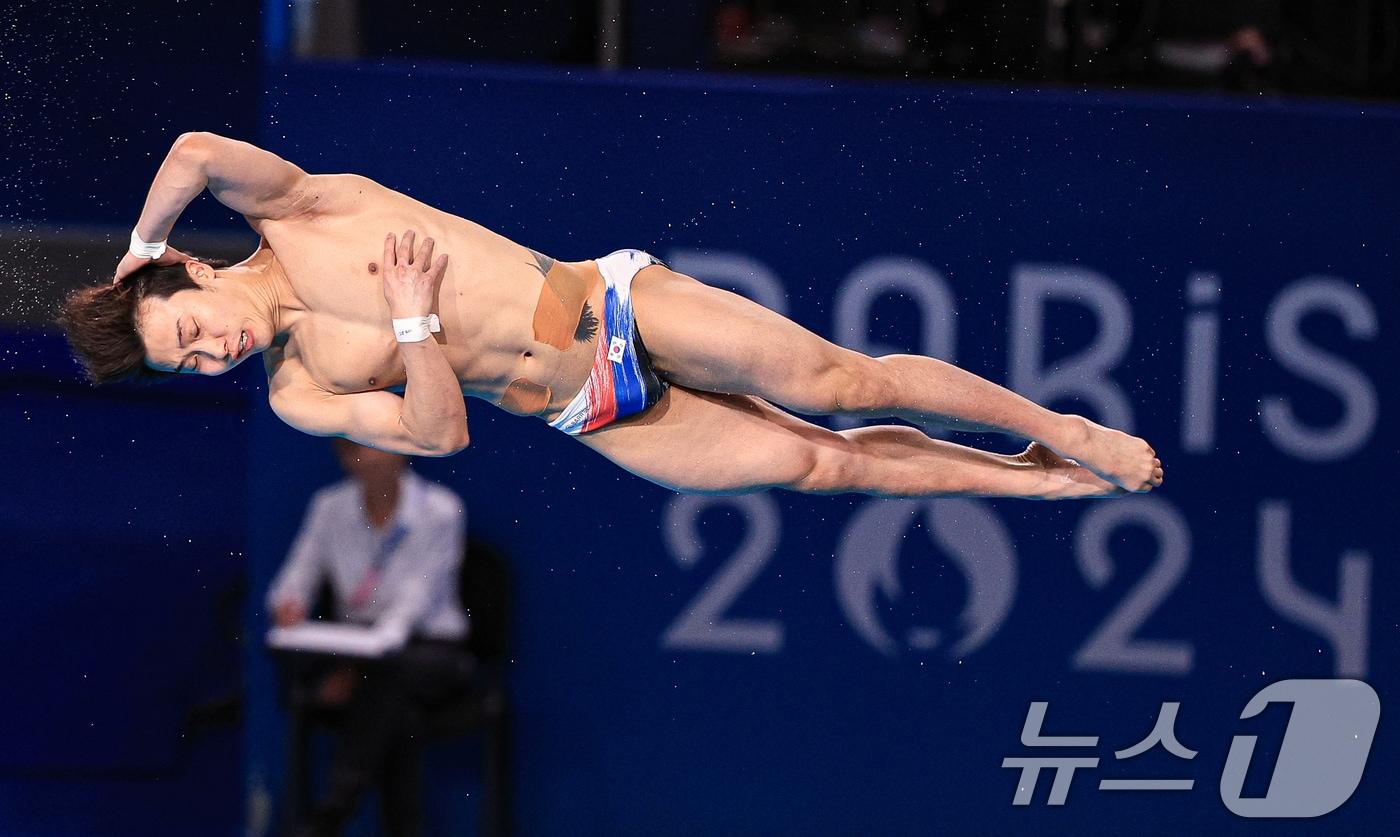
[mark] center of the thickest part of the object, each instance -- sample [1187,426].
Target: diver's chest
[345,357]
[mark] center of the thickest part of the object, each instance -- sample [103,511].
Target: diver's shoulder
[287,378]
[345,181]
[337,194]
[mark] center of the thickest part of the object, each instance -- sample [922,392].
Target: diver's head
[195,317]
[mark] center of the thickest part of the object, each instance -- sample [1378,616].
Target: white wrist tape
[144,249]
[416,329]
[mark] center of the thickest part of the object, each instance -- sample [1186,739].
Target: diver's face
[200,332]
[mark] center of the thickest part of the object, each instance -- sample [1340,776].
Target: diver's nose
[217,348]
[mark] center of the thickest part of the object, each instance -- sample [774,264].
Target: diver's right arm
[243,177]
[430,419]
[376,419]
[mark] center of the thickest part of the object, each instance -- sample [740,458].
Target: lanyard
[370,581]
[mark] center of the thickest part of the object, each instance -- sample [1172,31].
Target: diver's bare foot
[1124,460]
[1066,479]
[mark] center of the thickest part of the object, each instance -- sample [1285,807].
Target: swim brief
[622,382]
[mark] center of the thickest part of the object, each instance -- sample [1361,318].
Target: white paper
[331,638]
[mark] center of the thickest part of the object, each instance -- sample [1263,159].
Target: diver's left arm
[243,177]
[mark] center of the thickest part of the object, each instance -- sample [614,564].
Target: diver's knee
[825,469]
[860,384]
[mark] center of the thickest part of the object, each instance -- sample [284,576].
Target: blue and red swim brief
[622,382]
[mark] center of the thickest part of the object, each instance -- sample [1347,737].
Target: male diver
[368,336]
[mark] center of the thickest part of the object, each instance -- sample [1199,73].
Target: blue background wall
[875,659]
[96,92]
[123,514]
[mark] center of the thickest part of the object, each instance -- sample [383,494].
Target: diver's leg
[710,339]
[707,443]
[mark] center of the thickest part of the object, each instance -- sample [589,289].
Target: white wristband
[416,329]
[146,250]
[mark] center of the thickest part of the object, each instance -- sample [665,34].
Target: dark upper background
[94,93]
[93,89]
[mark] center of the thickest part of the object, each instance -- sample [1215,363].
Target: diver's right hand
[131,263]
[411,280]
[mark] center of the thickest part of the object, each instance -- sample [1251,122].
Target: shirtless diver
[366,335]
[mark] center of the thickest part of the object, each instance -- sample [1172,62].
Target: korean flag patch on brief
[616,347]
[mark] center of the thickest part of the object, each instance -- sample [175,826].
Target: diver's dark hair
[101,322]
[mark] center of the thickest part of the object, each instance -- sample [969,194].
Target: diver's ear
[200,272]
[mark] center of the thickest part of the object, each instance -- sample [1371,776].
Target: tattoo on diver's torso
[543,262]
[588,321]
[587,324]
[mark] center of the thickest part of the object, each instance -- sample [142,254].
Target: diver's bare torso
[487,302]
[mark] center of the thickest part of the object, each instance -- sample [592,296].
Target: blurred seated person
[1228,42]
[389,544]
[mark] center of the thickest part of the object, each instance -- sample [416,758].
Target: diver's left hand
[131,263]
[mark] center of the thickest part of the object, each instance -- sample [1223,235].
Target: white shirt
[421,546]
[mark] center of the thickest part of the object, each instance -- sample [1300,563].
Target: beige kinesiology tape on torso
[562,318]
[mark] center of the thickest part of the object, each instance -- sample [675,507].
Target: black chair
[483,588]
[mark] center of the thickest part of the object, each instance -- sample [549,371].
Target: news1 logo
[1320,761]
[1324,749]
